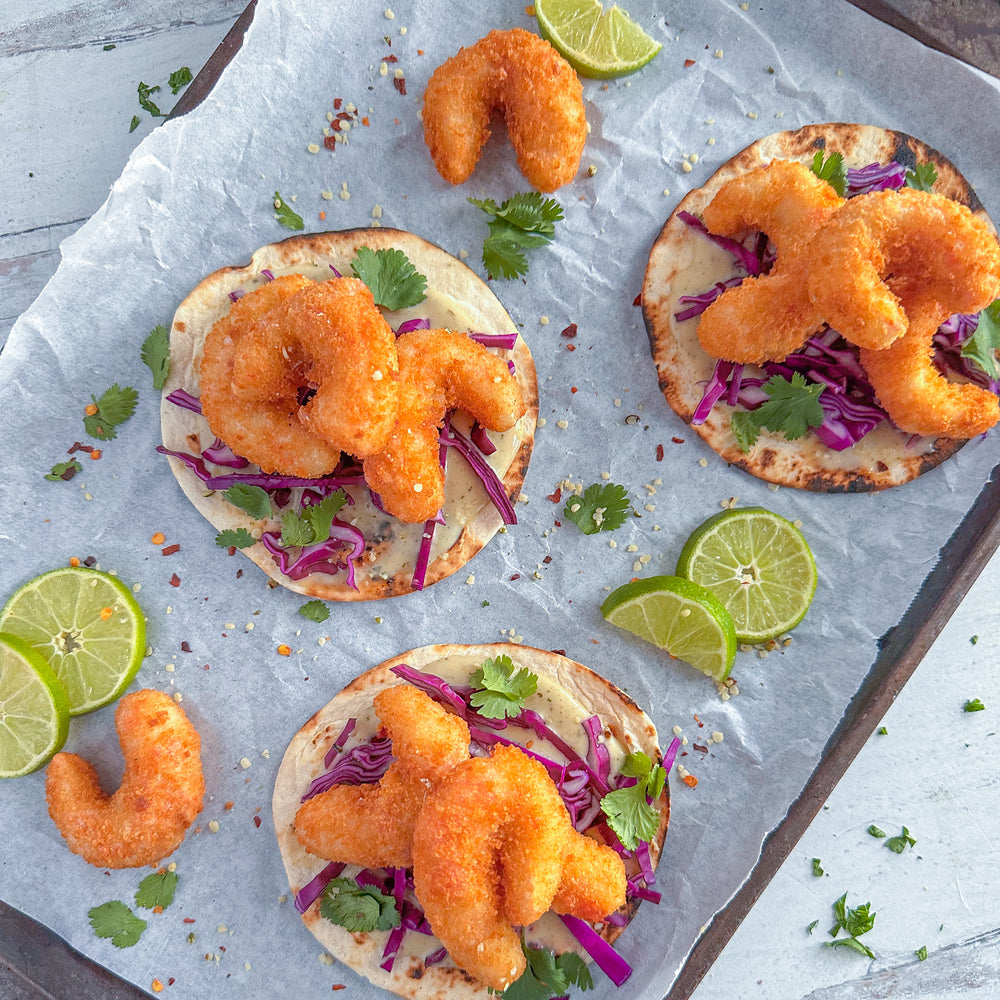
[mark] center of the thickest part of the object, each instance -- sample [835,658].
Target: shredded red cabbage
[951,336]
[336,273]
[236,294]
[361,765]
[313,889]
[435,687]
[338,743]
[184,399]
[412,324]
[875,177]
[427,535]
[607,959]
[317,558]
[505,341]
[494,487]
[750,261]
[219,453]
[268,273]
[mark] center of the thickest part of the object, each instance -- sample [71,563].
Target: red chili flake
[365,122]
[337,103]
[338,986]
[558,524]
[175,580]
[637,301]
[335,125]
[189,920]
[571,347]
[171,549]
[390,58]
[690,780]
[559,652]
[171,981]
[231,550]
[547,560]
[330,143]
[700,723]
[90,561]
[516,576]
[572,388]
[700,748]
[239,572]
[228,806]
[222,947]
[344,116]
[659,453]
[186,646]
[256,822]
[688,63]
[78,447]
[570,331]
[677,440]
[420,52]
[399,83]
[555,497]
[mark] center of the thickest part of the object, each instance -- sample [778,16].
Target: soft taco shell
[303,761]
[384,570]
[680,264]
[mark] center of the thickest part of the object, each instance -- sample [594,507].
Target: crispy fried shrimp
[769,316]
[538,92]
[886,239]
[265,431]
[160,794]
[330,335]
[593,880]
[439,370]
[372,825]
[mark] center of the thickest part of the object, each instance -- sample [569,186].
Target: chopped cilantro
[982,346]
[179,78]
[394,282]
[817,867]
[312,523]
[854,922]
[116,921]
[134,124]
[547,975]
[358,908]
[882,731]
[900,843]
[630,811]
[921,953]
[500,688]
[523,221]
[114,407]
[64,470]
[875,831]
[145,103]
[315,611]
[792,407]
[156,890]
[923,177]
[973,705]
[603,507]
[284,214]
[832,170]
[252,499]
[812,926]
[156,354]
[238,538]
[973,639]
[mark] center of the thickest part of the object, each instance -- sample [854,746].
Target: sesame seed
[686,167]
[312,147]
[543,320]
[685,612]
[418,487]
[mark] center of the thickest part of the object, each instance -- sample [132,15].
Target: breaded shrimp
[521,75]
[265,431]
[880,240]
[333,336]
[160,793]
[439,370]
[592,884]
[769,316]
[372,825]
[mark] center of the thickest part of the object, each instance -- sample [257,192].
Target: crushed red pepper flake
[186,646]
[700,723]
[688,63]
[659,453]
[256,822]
[677,440]
[690,780]
[637,301]
[330,142]
[175,580]
[189,920]
[399,83]
[171,549]
[571,347]
[391,58]
[555,497]
[516,576]
[570,331]
[337,103]
[547,560]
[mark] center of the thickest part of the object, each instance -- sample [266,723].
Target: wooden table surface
[65,110]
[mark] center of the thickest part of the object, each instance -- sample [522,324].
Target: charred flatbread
[568,693]
[683,262]
[457,299]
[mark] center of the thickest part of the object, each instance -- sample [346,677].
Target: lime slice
[595,42]
[88,628]
[759,566]
[34,712]
[678,616]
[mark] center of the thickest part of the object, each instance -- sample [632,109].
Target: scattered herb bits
[394,282]
[285,215]
[603,507]
[523,221]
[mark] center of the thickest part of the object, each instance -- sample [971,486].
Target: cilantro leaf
[745,428]
[503,258]
[156,354]
[239,538]
[855,922]
[252,499]
[832,170]
[116,921]
[629,810]
[921,953]
[817,868]
[394,282]
[315,611]
[603,507]
[792,407]
[900,843]
[875,831]
[179,78]
[575,969]
[358,908]
[923,177]
[66,470]
[145,103]
[547,975]
[853,943]
[114,407]
[284,214]
[982,346]
[134,124]
[499,690]
[312,523]
[524,220]
[156,890]
[972,705]
[812,926]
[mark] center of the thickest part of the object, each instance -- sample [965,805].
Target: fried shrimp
[592,883]
[265,431]
[160,793]
[439,370]
[539,94]
[768,316]
[887,239]
[372,825]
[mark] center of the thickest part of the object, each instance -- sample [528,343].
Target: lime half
[595,42]
[758,565]
[34,712]
[87,626]
[678,616]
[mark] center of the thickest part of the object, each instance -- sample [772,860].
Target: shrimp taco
[353,410]
[461,816]
[792,303]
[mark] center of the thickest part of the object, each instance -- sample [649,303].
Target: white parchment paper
[196,195]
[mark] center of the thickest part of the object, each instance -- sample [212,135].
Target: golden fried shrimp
[264,431]
[372,825]
[537,91]
[769,316]
[160,793]
[592,884]
[439,370]
[881,241]
[330,335]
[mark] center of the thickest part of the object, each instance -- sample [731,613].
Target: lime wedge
[595,42]
[758,565]
[34,712]
[678,616]
[86,625]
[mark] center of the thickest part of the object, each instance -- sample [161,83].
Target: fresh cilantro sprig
[156,890]
[922,177]
[548,975]
[630,811]
[901,842]
[972,705]
[792,407]
[876,831]
[523,221]
[817,867]
[501,688]
[315,611]
[252,499]
[603,507]
[832,170]
[358,908]
[312,523]
[156,354]
[178,79]
[116,921]
[394,282]
[64,470]
[284,213]
[104,414]
[238,538]
[146,103]
[854,922]
[982,346]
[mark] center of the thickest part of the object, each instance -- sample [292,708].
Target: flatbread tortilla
[626,726]
[681,264]
[386,568]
